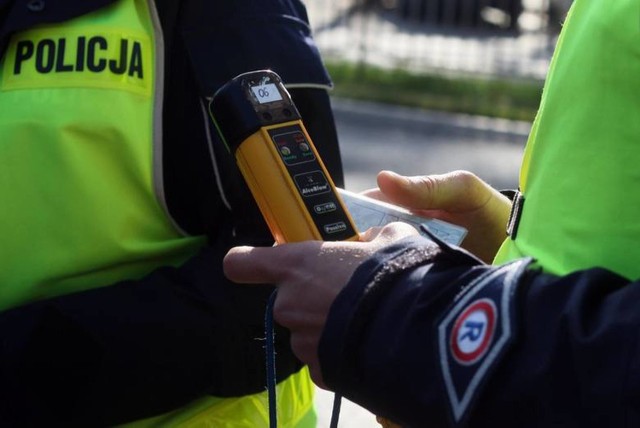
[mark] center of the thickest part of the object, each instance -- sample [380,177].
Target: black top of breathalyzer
[248,102]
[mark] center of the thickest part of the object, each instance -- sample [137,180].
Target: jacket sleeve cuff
[380,346]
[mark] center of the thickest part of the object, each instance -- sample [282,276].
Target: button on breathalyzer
[260,125]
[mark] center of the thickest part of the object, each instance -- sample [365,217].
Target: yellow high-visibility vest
[81,179]
[580,171]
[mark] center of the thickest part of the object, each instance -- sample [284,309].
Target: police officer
[428,335]
[119,203]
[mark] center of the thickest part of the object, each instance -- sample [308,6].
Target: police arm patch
[475,333]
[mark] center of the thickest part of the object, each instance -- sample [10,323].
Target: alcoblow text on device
[259,123]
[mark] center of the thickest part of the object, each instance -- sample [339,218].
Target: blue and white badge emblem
[475,332]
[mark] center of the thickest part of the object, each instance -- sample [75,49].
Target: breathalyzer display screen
[312,184]
[266,93]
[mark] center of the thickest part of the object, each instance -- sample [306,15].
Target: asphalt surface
[374,137]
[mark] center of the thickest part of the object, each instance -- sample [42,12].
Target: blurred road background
[412,142]
[467,45]
[490,40]
[494,38]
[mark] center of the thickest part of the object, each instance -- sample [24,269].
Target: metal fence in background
[493,38]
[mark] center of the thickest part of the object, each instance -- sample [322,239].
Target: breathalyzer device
[260,125]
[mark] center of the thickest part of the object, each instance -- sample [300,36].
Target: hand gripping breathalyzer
[260,125]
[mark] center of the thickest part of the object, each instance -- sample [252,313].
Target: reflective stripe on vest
[581,171]
[81,176]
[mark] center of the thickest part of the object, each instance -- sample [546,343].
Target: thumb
[454,191]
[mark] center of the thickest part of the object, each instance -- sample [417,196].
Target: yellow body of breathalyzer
[259,123]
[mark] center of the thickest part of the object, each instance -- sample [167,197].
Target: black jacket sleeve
[135,349]
[449,341]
